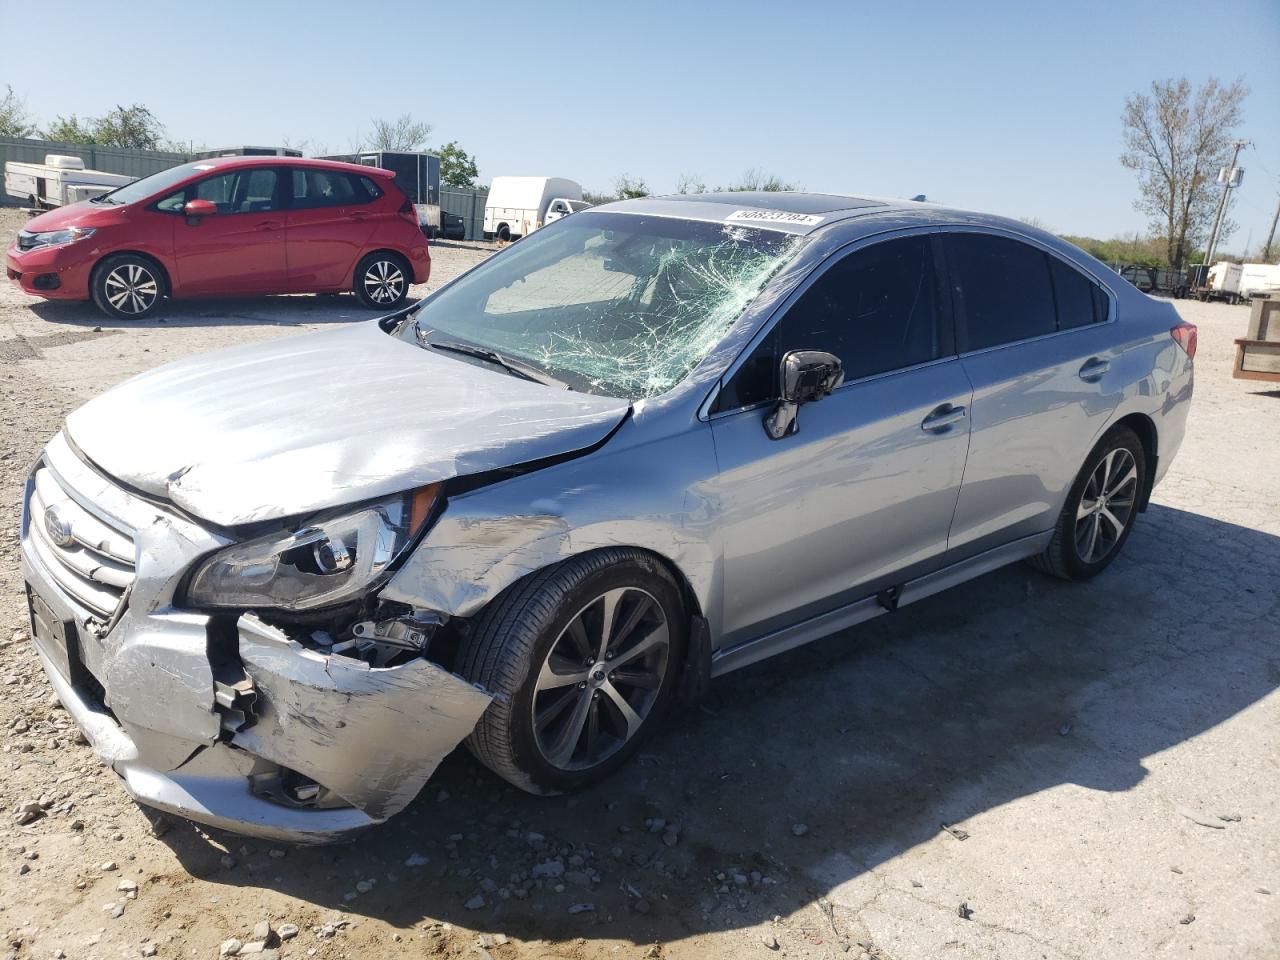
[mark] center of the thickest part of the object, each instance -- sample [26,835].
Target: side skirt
[825,624]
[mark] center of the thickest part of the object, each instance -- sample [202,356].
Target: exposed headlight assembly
[330,559]
[56,238]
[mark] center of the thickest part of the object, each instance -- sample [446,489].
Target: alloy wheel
[601,679]
[1106,505]
[384,281]
[131,289]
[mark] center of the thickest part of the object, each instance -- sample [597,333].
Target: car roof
[212,163]
[788,211]
[782,200]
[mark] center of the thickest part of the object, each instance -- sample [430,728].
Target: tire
[504,233]
[382,280]
[127,286]
[1091,531]
[527,736]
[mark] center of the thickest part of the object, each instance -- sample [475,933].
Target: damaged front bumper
[228,722]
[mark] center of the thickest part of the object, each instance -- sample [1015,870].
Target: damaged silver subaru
[648,444]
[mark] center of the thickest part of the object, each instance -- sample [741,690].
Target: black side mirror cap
[805,376]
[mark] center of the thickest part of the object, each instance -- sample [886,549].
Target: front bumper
[142,687]
[69,265]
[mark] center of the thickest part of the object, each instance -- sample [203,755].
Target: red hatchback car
[228,226]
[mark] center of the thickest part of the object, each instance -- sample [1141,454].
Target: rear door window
[329,188]
[876,309]
[1002,289]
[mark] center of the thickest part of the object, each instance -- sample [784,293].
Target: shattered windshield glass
[614,304]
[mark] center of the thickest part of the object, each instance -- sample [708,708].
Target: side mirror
[806,376]
[195,209]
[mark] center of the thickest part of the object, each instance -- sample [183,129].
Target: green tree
[14,119]
[628,188]
[1176,139]
[71,130]
[457,167]
[755,179]
[134,127]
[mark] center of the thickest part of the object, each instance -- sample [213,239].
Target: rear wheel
[583,658]
[127,286]
[1100,509]
[382,280]
[504,233]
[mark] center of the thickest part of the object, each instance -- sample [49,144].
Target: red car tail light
[1185,335]
[407,212]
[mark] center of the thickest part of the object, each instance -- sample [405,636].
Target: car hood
[324,419]
[82,214]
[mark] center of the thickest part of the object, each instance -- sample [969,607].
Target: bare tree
[690,183]
[14,119]
[1176,139]
[402,133]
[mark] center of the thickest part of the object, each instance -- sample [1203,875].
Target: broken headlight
[331,559]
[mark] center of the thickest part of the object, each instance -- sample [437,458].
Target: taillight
[1185,335]
[407,212]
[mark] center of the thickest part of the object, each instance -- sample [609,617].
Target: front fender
[649,495]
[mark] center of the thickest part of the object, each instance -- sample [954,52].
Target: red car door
[328,226]
[241,248]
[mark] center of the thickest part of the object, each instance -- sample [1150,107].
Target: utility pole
[1271,235]
[1227,184]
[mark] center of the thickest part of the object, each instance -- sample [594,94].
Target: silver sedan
[646,445]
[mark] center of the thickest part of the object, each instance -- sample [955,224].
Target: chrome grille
[92,561]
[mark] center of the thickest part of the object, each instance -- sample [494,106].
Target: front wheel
[382,281]
[127,286]
[1100,509]
[582,658]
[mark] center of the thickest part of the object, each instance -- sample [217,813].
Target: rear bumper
[56,273]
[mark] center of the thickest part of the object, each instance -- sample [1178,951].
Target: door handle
[943,418]
[1093,369]
[359,216]
[269,225]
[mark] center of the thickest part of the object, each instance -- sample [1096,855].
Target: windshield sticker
[775,216]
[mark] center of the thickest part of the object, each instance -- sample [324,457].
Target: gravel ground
[1110,750]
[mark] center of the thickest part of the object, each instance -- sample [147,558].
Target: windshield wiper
[105,198]
[514,367]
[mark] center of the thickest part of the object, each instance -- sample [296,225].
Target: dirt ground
[1111,751]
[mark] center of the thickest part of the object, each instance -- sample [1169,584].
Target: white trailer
[1259,278]
[1222,283]
[60,180]
[516,206]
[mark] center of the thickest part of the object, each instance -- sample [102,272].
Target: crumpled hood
[321,420]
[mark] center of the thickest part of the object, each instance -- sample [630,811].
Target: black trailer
[247,152]
[417,174]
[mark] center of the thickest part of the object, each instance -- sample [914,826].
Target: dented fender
[624,495]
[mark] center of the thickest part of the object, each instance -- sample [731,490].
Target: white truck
[516,206]
[60,180]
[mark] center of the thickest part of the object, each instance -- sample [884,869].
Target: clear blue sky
[1011,107]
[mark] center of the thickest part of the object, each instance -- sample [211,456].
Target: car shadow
[871,738]
[283,310]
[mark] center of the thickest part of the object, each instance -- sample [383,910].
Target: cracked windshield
[613,304]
